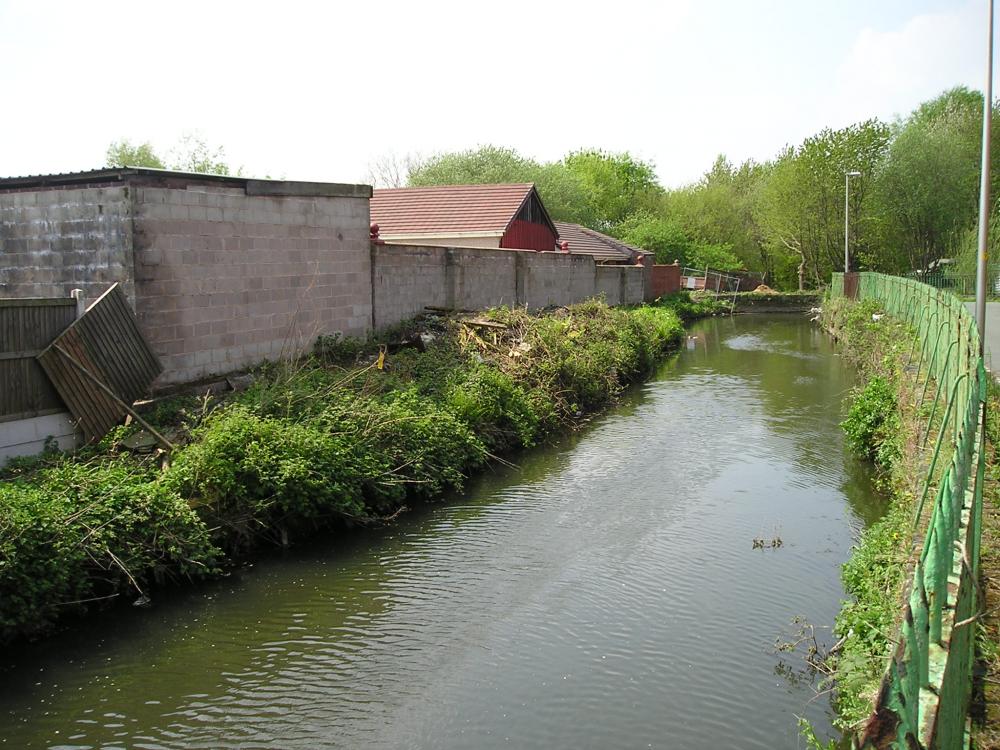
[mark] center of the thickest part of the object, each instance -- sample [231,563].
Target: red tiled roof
[446,209]
[586,241]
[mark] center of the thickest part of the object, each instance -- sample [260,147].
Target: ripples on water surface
[605,594]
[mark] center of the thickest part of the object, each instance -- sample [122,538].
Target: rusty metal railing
[924,697]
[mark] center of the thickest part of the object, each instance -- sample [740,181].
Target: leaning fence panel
[924,698]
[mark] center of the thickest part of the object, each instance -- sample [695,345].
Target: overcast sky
[316,91]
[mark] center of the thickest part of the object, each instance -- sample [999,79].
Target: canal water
[603,594]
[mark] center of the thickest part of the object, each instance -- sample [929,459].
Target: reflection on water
[603,594]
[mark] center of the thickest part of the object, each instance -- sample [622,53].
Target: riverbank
[347,437]
[882,425]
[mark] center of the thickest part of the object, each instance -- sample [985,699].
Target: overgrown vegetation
[326,443]
[881,426]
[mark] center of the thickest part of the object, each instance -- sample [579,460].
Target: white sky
[316,91]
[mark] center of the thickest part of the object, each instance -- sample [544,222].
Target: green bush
[688,306]
[873,425]
[256,473]
[494,406]
[75,532]
[412,445]
[873,577]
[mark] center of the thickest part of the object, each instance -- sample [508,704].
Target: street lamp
[847,215]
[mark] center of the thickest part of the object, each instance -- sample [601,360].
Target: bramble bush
[74,532]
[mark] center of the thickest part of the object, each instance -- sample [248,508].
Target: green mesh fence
[924,697]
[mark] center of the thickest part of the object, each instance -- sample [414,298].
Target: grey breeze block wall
[222,272]
[225,280]
[608,284]
[407,278]
[59,239]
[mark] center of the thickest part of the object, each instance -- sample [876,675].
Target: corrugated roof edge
[141,174]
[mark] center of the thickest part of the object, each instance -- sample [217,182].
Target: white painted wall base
[26,437]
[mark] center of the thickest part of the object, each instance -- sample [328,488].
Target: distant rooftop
[448,209]
[605,249]
[172,178]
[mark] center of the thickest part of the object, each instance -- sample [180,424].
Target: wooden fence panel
[104,346]
[27,326]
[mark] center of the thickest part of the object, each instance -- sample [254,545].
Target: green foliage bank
[880,426]
[323,444]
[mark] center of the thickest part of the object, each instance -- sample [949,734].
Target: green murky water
[603,594]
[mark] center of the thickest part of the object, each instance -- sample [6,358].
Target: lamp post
[984,187]
[847,217]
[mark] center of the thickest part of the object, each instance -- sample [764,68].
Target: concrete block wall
[608,284]
[480,279]
[27,437]
[55,240]
[555,279]
[225,280]
[407,278]
[634,286]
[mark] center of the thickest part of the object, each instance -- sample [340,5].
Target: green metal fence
[924,698]
[962,284]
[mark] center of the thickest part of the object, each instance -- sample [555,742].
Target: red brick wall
[666,280]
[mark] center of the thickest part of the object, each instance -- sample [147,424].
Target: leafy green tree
[561,191]
[614,185]
[191,154]
[801,204]
[485,165]
[928,188]
[716,257]
[123,153]
[719,210]
[654,232]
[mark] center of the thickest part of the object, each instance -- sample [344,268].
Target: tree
[719,210]
[717,257]
[393,171]
[929,186]
[560,190]
[800,208]
[123,154]
[486,165]
[191,154]
[657,234]
[613,185]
